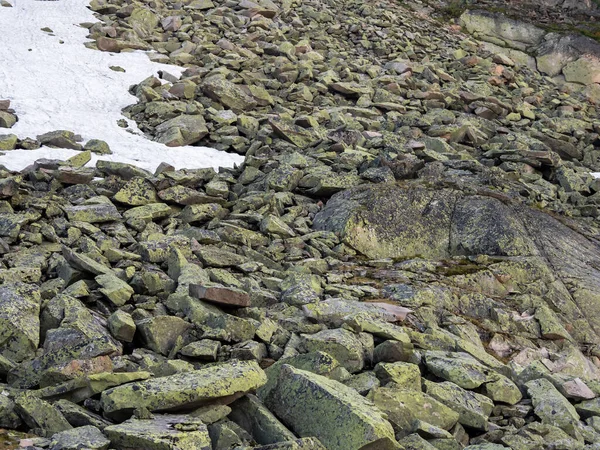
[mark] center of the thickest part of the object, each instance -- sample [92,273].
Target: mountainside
[408,256]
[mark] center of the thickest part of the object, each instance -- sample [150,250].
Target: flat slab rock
[184,391]
[220,295]
[161,432]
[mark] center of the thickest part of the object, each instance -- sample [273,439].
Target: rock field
[408,258]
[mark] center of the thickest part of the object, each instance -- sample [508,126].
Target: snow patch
[54,86]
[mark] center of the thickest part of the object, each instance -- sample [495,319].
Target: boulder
[162,431]
[223,383]
[19,321]
[88,437]
[311,405]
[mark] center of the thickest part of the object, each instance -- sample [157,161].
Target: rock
[255,418]
[181,130]
[8,141]
[516,34]
[404,375]
[40,415]
[115,289]
[83,437]
[160,333]
[404,406]
[161,432]
[94,212]
[137,192]
[220,295]
[206,349]
[311,404]
[551,407]
[368,220]
[60,139]
[121,326]
[473,409]
[7,120]
[19,321]
[8,416]
[223,382]
[97,146]
[343,345]
[228,94]
[583,70]
[459,368]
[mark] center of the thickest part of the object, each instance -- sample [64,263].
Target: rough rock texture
[409,250]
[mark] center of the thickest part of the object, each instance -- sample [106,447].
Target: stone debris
[407,257]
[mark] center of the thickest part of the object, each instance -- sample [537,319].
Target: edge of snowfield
[54,86]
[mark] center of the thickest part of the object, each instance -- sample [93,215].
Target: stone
[7,120]
[97,146]
[205,349]
[8,141]
[88,437]
[136,192]
[60,139]
[19,320]
[584,70]
[249,413]
[222,382]
[220,295]
[121,326]
[403,407]
[40,415]
[228,94]
[343,345]
[115,289]
[473,409]
[551,407]
[161,332]
[8,416]
[459,368]
[93,213]
[181,130]
[311,404]
[163,431]
[404,375]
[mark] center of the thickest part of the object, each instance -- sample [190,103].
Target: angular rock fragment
[220,295]
[161,432]
[311,404]
[223,382]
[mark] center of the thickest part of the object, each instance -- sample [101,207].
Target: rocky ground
[408,257]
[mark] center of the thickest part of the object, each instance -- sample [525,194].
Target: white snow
[54,86]
[595,174]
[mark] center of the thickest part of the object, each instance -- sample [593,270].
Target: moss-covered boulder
[342,344]
[474,409]
[387,221]
[312,405]
[552,408]
[40,416]
[181,130]
[19,321]
[161,432]
[405,406]
[88,437]
[223,382]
